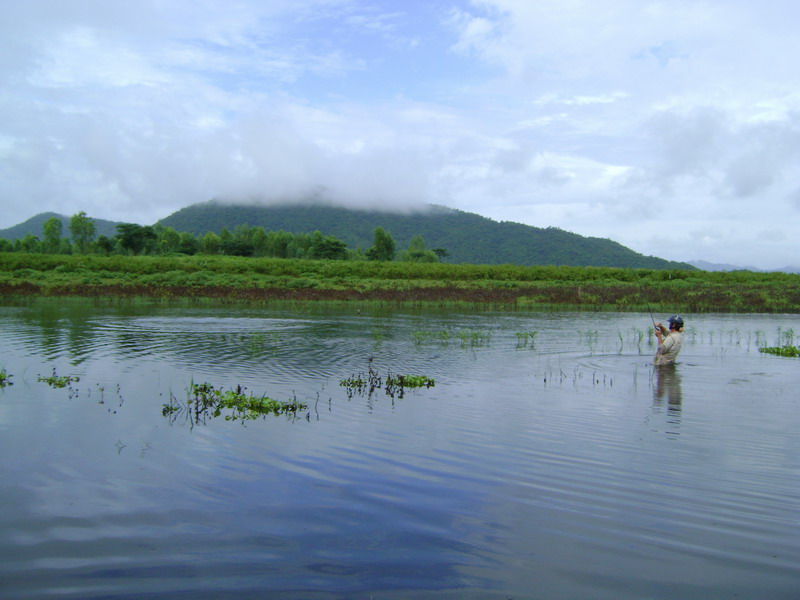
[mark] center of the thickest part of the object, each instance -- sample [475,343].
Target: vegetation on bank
[266,279]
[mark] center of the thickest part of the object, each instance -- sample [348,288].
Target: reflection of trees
[81,330]
[61,327]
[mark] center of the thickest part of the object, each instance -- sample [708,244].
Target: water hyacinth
[787,351]
[204,400]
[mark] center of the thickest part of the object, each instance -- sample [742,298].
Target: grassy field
[263,279]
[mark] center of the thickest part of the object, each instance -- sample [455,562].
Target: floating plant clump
[5,378]
[204,401]
[394,385]
[788,351]
[58,381]
[409,381]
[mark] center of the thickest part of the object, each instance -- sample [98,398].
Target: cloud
[615,119]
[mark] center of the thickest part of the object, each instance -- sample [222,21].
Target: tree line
[133,239]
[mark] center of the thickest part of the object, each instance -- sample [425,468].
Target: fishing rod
[655,327]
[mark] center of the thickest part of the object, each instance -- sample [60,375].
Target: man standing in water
[670,345]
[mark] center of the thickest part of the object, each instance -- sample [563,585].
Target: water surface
[558,465]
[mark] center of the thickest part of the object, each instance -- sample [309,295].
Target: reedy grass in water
[467,337]
[526,337]
[5,378]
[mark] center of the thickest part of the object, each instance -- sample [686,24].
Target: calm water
[559,468]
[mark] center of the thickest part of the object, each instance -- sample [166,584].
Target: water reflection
[668,386]
[523,470]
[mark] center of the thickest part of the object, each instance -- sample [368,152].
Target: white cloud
[618,118]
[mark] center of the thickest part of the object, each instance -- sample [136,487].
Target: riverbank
[510,286]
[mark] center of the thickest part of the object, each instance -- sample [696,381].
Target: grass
[525,287]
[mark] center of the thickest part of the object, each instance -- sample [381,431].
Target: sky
[672,127]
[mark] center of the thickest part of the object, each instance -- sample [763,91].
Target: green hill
[467,237]
[35,224]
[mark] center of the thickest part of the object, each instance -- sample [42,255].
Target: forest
[243,240]
[430,233]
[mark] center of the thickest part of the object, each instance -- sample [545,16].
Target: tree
[258,237]
[82,229]
[105,244]
[237,247]
[327,247]
[52,234]
[30,243]
[383,246]
[418,252]
[210,243]
[136,239]
[169,240]
[188,244]
[277,243]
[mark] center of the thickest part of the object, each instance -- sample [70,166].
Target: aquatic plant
[256,342]
[591,337]
[394,385]
[58,381]
[423,336]
[5,378]
[638,335]
[786,336]
[204,400]
[526,337]
[472,337]
[787,351]
[409,381]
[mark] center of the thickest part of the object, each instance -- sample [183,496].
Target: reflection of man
[668,383]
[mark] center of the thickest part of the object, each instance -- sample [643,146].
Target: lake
[548,460]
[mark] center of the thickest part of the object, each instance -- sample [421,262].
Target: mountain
[467,237]
[35,225]
[709,266]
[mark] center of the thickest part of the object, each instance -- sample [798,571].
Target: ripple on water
[560,470]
